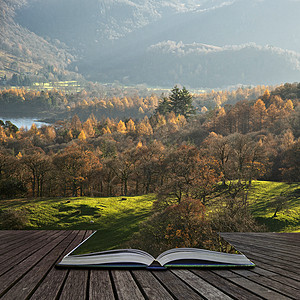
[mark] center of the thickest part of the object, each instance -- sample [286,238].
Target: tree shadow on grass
[117,231]
[83,209]
[276,225]
[78,211]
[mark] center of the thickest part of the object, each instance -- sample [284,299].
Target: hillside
[117,219]
[96,22]
[22,52]
[122,40]
[219,22]
[196,66]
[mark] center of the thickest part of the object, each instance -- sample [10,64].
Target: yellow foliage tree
[121,127]
[266,96]
[93,119]
[76,123]
[2,135]
[160,120]
[82,135]
[222,112]
[289,106]
[33,129]
[70,135]
[171,117]
[88,128]
[106,130]
[19,156]
[139,145]
[204,109]
[141,111]
[181,120]
[50,133]
[130,126]
[259,114]
[145,128]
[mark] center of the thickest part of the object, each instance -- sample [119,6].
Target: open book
[134,258]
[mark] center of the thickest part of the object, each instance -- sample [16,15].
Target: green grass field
[263,199]
[114,218]
[117,219]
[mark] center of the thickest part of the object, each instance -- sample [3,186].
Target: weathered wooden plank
[263,272]
[50,287]
[260,258]
[264,242]
[275,249]
[277,270]
[69,290]
[275,252]
[5,232]
[23,267]
[274,276]
[266,258]
[257,274]
[251,238]
[126,287]
[226,286]
[9,262]
[280,287]
[22,242]
[287,281]
[245,273]
[225,273]
[269,243]
[271,236]
[150,286]
[100,287]
[201,286]
[175,286]
[12,240]
[13,258]
[75,286]
[290,236]
[35,276]
[258,289]
[8,234]
[25,286]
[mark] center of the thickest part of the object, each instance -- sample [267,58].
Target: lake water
[25,122]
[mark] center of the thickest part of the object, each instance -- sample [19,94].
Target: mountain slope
[127,40]
[265,22]
[197,65]
[84,24]
[24,52]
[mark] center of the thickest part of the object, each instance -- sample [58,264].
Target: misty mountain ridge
[202,66]
[217,41]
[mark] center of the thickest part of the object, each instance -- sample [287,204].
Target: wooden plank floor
[27,260]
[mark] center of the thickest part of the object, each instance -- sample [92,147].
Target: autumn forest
[173,150]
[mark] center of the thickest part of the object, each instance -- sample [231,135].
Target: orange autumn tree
[37,165]
[187,174]
[121,127]
[73,165]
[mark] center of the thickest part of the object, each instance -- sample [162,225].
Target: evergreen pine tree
[179,102]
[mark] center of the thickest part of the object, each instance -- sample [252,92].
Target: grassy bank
[265,197]
[116,218]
